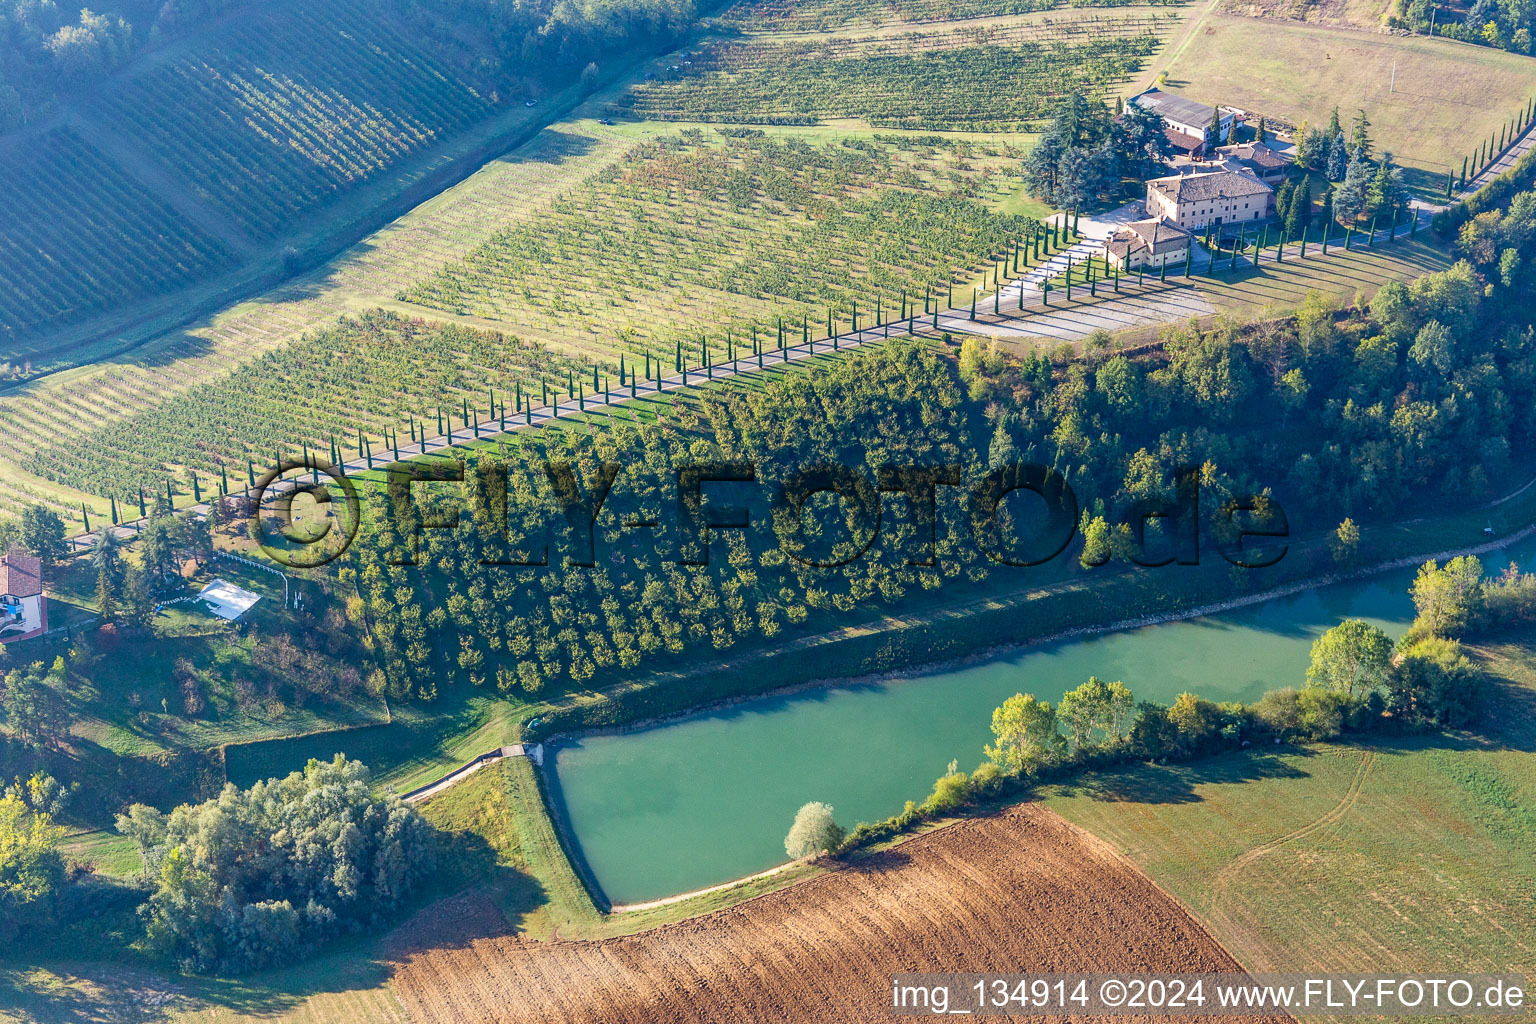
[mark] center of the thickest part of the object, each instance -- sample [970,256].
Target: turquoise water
[708,798]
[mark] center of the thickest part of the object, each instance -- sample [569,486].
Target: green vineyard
[775,230]
[688,237]
[80,236]
[285,113]
[1000,80]
[378,371]
[821,15]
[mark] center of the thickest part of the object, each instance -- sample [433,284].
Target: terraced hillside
[56,409]
[684,238]
[240,148]
[381,369]
[698,233]
[79,235]
[289,109]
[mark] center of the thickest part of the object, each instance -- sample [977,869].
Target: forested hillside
[184,149]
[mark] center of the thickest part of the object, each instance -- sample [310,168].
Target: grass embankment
[1447,99]
[1388,855]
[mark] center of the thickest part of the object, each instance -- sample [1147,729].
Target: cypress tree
[86,515]
[973,303]
[114,510]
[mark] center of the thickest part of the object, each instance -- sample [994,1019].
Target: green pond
[708,798]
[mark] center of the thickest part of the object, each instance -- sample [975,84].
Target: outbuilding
[1147,243]
[226,600]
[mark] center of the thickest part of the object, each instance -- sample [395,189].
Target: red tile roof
[21,575]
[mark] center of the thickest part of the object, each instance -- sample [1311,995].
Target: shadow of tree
[1176,783]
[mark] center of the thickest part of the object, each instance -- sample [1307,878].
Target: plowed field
[1022,891]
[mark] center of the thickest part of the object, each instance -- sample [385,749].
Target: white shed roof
[226,600]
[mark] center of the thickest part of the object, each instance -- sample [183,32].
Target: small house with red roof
[23,608]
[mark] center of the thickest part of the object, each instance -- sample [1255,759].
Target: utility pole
[1393,86]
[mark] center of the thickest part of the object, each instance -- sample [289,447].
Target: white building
[1189,121]
[23,608]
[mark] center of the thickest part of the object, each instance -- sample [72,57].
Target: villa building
[23,608]
[1193,201]
[1147,243]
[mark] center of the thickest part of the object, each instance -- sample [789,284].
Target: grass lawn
[1448,98]
[1402,854]
[1277,288]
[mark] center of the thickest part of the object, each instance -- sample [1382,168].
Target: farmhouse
[23,608]
[1189,121]
[1193,201]
[1255,158]
[1147,243]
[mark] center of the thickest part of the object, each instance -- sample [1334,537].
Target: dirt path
[1019,891]
[1221,919]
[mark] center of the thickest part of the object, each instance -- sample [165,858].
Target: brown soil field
[1021,891]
